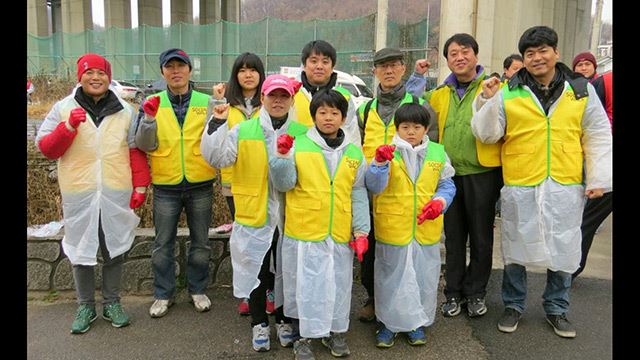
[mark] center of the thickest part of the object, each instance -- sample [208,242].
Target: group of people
[315,181]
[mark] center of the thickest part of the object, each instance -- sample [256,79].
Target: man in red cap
[170,125]
[585,64]
[259,217]
[96,185]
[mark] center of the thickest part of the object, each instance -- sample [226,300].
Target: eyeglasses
[391,66]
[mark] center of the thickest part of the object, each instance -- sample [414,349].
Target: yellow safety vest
[395,210]
[178,154]
[319,206]
[376,133]
[301,105]
[93,152]
[488,154]
[536,145]
[250,183]
[235,117]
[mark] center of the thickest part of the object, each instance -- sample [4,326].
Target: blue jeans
[167,206]
[556,293]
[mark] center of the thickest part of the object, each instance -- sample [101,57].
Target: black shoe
[509,321]
[476,307]
[561,326]
[452,307]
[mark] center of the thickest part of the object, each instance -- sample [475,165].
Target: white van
[356,86]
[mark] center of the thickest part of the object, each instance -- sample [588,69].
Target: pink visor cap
[278,81]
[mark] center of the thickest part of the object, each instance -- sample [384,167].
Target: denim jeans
[556,293]
[167,206]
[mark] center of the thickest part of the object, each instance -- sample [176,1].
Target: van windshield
[365,91]
[350,88]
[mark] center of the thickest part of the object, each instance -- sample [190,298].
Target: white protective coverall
[95,182]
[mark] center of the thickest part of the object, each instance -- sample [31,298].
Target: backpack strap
[367,107]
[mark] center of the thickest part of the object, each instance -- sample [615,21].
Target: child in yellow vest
[326,208]
[258,222]
[412,183]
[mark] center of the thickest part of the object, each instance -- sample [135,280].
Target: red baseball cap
[278,81]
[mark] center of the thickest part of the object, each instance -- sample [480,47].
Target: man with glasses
[375,119]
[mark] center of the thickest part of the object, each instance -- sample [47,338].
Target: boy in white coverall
[413,186]
[326,203]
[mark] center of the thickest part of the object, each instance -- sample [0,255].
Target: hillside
[399,10]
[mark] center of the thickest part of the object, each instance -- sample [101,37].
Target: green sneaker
[113,312]
[85,315]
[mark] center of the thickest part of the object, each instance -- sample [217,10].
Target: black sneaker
[452,307]
[561,326]
[509,321]
[476,307]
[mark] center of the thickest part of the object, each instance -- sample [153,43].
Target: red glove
[385,152]
[360,245]
[137,199]
[430,211]
[56,143]
[150,106]
[77,116]
[285,142]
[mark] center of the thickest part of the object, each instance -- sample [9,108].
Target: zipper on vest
[331,179]
[184,174]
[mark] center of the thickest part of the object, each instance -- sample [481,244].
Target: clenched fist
[218,91]
[77,116]
[285,142]
[422,65]
[151,106]
[490,87]
[384,153]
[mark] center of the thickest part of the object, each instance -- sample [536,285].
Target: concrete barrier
[49,269]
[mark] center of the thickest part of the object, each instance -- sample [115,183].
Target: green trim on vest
[304,144]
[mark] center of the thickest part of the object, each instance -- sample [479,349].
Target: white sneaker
[159,308]
[285,334]
[201,302]
[261,340]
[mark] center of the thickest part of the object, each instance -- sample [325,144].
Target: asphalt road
[222,334]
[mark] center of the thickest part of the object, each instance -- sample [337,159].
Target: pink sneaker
[271,303]
[224,228]
[243,307]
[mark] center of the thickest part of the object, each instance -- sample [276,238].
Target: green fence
[133,53]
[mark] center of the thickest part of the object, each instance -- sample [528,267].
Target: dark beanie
[584,56]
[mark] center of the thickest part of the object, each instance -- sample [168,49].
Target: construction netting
[133,53]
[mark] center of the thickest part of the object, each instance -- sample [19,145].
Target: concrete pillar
[117,13]
[483,33]
[230,10]
[456,16]
[181,11]
[56,17]
[209,11]
[150,12]
[573,29]
[37,19]
[76,16]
